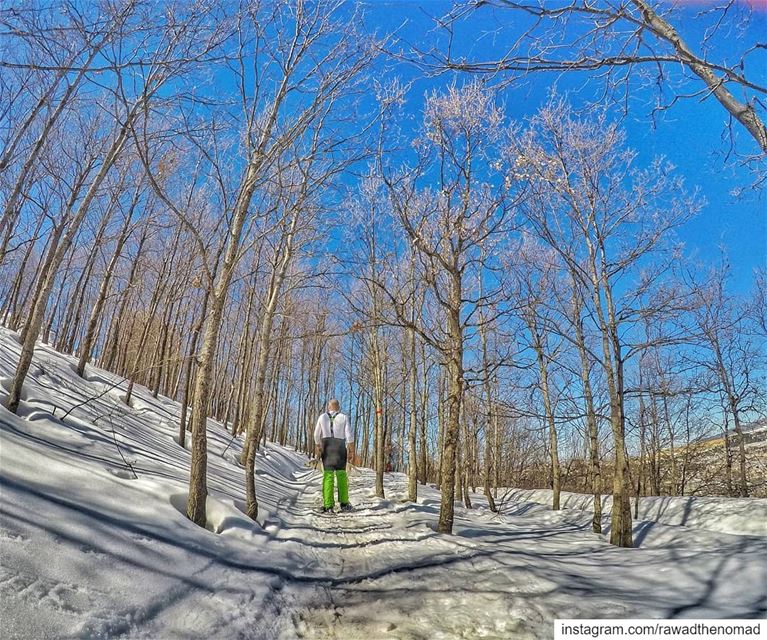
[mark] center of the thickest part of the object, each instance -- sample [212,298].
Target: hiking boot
[347,507]
[327,509]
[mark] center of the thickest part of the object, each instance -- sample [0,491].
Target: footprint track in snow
[60,596]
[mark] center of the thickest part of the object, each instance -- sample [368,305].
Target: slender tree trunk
[412,466]
[735,411]
[424,417]
[497,453]
[68,330]
[595,471]
[457,479]
[379,431]
[441,404]
[57,308]
[672,447]
[466,468]
[728,461]
[741,448]
[488,417]
[556,473]
[109,361]
[366,435]
[454,401]
[243,377]
[264,351]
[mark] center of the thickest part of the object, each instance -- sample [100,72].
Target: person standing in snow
[335,445]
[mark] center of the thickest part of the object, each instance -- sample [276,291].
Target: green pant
[327,487]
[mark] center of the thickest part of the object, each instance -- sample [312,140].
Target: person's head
[334,405]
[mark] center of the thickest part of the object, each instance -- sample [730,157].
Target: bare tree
[734,356]
[535,284]
[448,227]
[371,227]
[619,41]
[578,170]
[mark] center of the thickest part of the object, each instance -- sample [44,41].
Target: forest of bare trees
[221,203]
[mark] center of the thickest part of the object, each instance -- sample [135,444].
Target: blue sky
[690,135]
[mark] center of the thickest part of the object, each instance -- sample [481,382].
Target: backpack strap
[331,418]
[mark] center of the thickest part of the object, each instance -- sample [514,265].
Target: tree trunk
[198,482]
[621,526]
[424,407]
[264,347]
[595,472]
[379,430]
[741,448]
[454,401]
[556,473]
[412,466]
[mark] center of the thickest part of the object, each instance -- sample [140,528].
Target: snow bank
[736,516]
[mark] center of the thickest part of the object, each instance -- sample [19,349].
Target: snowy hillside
[88,549]
[726,515]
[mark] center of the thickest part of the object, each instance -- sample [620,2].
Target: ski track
[87,550]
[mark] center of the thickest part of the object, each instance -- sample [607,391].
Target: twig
[227,446]
[117,445]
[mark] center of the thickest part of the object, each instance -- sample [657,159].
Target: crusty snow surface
[89,551]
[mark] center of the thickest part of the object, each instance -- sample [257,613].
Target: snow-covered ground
[89,551]
[739,516]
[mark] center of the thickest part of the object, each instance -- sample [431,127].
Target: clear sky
[690,135]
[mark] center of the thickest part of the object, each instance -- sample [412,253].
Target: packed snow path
[88,550]
[389,574]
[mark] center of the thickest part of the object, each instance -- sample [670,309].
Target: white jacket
[341,428]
